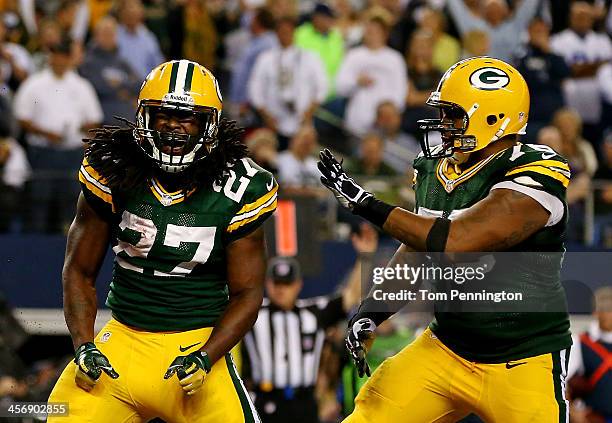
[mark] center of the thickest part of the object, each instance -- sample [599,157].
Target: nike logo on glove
[183,349]
[509,366]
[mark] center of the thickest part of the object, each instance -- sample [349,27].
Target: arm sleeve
[95,190]
[92,111]
[24,102]
[320,78]
[524,13]
[257,82]
[544,180]
[461,15]
[257,204]
[346,80]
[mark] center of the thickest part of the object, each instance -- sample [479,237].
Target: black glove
[345,189]
[191,370]
[348,193]
[91,363]
[360,331]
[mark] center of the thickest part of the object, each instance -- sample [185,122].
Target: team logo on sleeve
[489,79]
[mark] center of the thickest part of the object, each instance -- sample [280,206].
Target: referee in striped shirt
[282,351]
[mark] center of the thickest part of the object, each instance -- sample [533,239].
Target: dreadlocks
[115,155]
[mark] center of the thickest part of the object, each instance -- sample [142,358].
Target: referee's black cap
[284,270]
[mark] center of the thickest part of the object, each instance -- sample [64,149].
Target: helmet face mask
[451,126]
[179,109]
[481,100]
[173,151]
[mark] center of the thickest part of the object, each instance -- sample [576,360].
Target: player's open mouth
[172,150]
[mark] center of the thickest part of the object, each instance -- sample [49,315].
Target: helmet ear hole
[491,119]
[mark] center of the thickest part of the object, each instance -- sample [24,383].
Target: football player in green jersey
[480,190]
[182,207]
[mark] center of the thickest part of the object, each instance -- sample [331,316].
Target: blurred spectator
[55,108]
[14,171]
[283,350]
[551,136]
[502,27]
[287,84]
[602,233]
[584,51]
[544,72]
[297,168]
[320,37]
[49,34]
[423,78]
[15,61]
[475,43]
[348,23]
[370,161]
[137,45]
[583,164]
[115,82]
[262,39]
[446,49]
[589,372]
[604,77]
[370,75]
[200,38]
[263,145]
[400,148]
[73,18]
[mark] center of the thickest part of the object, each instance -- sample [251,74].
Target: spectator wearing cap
[55,108]
[584,51]
[283,349]
[137,44]
[322,38]
[287,85]
[590,365]
[371,74]
[502,26]
[115,82]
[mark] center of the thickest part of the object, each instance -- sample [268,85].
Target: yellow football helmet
[487,95]
[178,87]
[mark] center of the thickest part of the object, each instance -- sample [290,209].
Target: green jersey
[170,264]
[539,172]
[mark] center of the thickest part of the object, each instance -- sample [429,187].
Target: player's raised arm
[478,229]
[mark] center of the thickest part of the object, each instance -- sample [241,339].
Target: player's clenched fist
[191,370]
[360,335]
[91,363]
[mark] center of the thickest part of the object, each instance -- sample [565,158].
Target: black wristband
[438,235]
[374,210]
[378,311]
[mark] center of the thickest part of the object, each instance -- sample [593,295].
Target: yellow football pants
[426,382]
[141,392]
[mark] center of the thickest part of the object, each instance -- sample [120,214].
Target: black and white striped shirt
[284,347]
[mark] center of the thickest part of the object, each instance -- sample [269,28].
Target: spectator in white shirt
[137,45]
[370,75]
[584,51]
[287,85]
[55,108]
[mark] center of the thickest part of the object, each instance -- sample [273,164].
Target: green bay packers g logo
[489,79]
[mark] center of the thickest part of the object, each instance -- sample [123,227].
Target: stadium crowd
[352,75]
